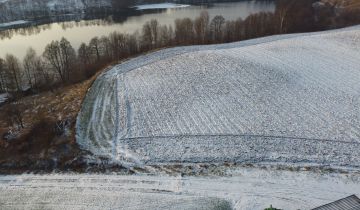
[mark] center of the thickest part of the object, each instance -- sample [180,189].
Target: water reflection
[81,28]
[66,22]
[28,31]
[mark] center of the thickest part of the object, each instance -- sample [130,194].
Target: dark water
[17,41]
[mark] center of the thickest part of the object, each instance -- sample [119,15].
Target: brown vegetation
[338,13]
[47,138]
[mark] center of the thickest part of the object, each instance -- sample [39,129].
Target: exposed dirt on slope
[47,141]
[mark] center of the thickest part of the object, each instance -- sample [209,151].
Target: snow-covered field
[160,6]
[245,189]
[292,99]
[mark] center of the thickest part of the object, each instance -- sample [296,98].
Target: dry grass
[61,104]
[39,146]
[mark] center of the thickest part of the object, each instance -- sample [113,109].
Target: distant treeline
[46,9]
[65,22]
[61,64]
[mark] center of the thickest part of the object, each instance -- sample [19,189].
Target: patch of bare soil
[47,141]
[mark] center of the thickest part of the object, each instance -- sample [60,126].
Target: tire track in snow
[244,189]
[243,135]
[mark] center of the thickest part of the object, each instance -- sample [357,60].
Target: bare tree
[85,60]
[33,68]
[117,43]
[15,114]
[28,67]
[249,29]
[154,27]
[95,47]
[132,44]
[166,36]
[184,31]
[146,39]
[216,28]
[239,29]
[3,81]
[201,25]
[282,11]
[44,79]
[14,72]
[53,55]
[69,57]
[106,48]
[229,31]
[150,34]
[61,57]
[84,54]
[35,73]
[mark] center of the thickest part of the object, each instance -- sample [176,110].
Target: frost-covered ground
[285,99]
[160,6]
[245,189]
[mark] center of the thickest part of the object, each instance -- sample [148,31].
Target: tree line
[61,64]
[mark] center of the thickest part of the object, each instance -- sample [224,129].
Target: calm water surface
[17,41]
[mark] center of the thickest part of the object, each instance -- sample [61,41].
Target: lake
[17,41]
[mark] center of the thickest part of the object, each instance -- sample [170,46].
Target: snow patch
[4,97]
[160,6]
[13,23]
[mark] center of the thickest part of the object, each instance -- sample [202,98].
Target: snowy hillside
[288,99]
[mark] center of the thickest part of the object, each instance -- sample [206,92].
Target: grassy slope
[37,144]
